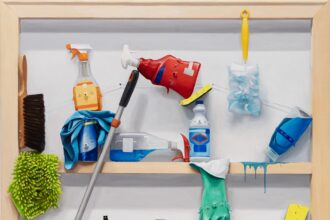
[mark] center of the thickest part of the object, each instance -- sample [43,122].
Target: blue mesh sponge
[243,95]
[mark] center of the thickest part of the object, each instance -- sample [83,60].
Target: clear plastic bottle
[86,92]
[199,134]
[138,146]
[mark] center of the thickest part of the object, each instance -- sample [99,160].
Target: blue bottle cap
[199,102]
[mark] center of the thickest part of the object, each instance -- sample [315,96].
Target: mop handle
[130,86]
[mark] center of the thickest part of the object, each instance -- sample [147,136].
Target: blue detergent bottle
[88,146]
[288,133]
[199,134]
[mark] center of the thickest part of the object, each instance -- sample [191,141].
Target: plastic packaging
[287,133]
[199,134]
[138,146]
[243,95]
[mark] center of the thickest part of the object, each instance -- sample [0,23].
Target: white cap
[273,156]
[127,59]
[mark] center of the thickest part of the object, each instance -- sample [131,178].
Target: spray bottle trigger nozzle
[185,155]
[80,50]
[179,156]
[74,52]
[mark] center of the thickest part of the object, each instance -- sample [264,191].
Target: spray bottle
[168,71]
[138,146]
[86,92]
[199,134]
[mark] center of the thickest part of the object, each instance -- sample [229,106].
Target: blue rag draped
[72,128]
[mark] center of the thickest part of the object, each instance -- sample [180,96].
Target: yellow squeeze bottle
[86,92]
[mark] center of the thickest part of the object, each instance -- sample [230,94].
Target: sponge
[296,212]
[36,186]
[196,95]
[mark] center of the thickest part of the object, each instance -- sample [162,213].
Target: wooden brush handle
[22,92]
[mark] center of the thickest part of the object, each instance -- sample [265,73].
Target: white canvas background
[280,48]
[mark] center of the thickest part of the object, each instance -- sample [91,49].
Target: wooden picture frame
[11,11]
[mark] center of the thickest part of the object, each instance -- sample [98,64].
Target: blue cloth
[243,97]
[72,128]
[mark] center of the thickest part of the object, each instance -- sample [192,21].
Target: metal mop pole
[130,86]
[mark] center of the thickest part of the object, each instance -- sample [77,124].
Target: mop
[243,97]
[36,185]
[130,86]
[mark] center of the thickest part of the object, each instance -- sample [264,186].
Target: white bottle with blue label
[199,134]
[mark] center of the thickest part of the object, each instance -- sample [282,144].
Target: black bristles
[34,122]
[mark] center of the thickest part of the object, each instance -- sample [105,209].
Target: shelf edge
[184,168]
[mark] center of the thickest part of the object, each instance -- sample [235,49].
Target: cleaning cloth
[36,186]
[72,128]
[214,205]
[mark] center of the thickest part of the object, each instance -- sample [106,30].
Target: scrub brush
[36,186]
[31,112]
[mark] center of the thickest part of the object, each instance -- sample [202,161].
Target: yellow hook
[245,14]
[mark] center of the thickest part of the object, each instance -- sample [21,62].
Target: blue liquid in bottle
[88,147]
[134,156]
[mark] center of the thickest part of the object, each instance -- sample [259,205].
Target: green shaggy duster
[36,186]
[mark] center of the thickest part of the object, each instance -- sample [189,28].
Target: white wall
[282,50]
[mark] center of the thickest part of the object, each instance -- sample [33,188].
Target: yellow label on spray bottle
[87,96]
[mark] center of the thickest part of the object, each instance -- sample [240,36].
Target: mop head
[36,186]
